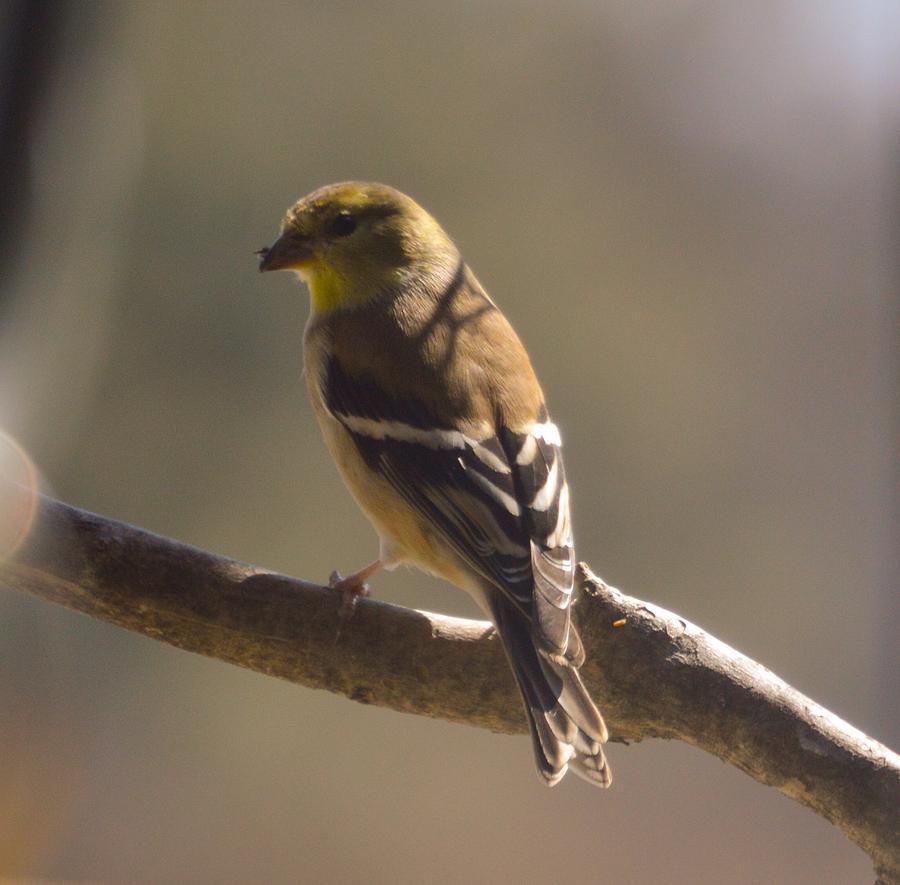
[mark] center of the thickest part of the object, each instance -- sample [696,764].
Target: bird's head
[355,241]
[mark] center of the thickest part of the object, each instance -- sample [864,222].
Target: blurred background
[688,210]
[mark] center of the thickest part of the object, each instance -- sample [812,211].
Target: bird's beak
[291,251]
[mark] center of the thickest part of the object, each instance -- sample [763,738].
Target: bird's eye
[344,224]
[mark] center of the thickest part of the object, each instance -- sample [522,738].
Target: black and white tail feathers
[567,730]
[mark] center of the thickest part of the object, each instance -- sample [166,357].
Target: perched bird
[430,407]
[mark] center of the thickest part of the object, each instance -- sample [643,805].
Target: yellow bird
[429,405]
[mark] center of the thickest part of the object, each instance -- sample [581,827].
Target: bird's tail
[566,727]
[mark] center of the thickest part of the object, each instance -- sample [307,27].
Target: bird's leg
[353,586]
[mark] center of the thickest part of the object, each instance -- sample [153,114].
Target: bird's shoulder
[453,351]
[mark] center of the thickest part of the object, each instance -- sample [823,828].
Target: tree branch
[656,675]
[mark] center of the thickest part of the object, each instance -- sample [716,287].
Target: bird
[430,407]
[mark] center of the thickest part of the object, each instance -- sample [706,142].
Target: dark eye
[344,224]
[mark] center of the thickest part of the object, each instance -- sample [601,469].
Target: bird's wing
[535,455]
[498,497]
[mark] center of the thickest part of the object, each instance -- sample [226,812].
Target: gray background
[686,209]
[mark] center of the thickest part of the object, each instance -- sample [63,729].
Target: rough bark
[653,673]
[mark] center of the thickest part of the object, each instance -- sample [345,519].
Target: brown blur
[687,210]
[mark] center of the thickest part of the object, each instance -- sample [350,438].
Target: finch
[428,403]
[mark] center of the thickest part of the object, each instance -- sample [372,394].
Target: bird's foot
[351,589]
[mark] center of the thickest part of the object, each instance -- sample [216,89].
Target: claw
[354,584]
[351,589]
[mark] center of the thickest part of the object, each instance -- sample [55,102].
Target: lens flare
[19,486]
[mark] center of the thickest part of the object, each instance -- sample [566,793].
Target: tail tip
[594,769]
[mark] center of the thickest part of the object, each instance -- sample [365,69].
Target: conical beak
[291,251]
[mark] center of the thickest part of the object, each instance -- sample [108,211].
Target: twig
[653,673]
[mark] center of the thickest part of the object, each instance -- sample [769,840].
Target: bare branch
[655,675]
